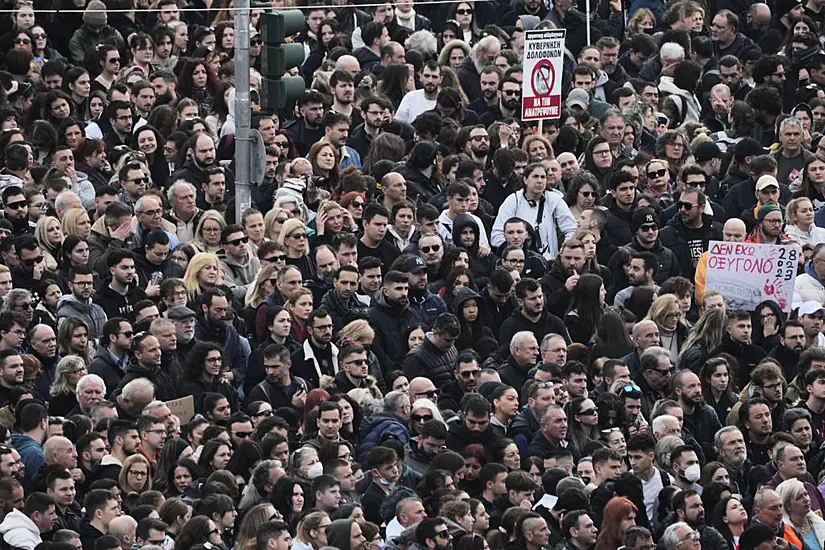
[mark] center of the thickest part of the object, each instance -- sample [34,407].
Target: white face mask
[692,473]
[317,469]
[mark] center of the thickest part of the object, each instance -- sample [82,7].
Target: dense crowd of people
[437,326]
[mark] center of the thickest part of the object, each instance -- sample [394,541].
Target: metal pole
[243,111]
[587,10]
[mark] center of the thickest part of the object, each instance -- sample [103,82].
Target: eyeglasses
[511,92]
[692,537]
[768,316]
[40,36]
[649,227]
[236,242]
[24,305]
[19,205]
[82,283]
[137,474]
[323,327]
[657,173]
[433,248]
[601,153]
[663,372]
[267,413]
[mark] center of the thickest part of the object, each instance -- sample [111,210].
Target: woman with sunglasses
[583,426]
[311,533]
[354,203]
[423,410]
[582,193]
[258,410]
[198,531]
[295,240]
[667,314]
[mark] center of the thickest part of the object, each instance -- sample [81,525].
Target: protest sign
[183,408]
[747,273]
[541,89]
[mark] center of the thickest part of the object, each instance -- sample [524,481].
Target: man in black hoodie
[196,170]
[562,277]
[121,294]
[340,301]
[645,227]
[101,508]
[147,365]
[620,204]
[343,534]
[689,233]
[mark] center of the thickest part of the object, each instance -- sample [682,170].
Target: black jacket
[747,355]
[119,305]
[227,337]
[166,387]
[513,374]
[673,237]
[303,137]
[197,388]
[105,367]
[517,322]
[556,296]
[668,263]
[276,395]
[617,227]
[419,186]
[742,196]
[429,361]
[459,437]
[390,324]
[522,429]
[196,175]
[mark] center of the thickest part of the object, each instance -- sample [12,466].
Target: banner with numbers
[747,273]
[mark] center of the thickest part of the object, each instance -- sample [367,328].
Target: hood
[530,22]
[22,441]
[338,534]
[462,296]
[100,227]
[71,302]
[461,222]
[18,520]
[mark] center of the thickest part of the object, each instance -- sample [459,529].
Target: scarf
[406,20]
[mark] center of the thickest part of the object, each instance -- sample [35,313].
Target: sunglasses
[657,173]
[588,412]
[25,41]
[357,204]
[298,236]
[19,205]
[511,92]
[433,248]
[236,242]
[267,413]
[631,388]
[421,418]
[139,180]
[127,333]
[470,374]
[358,362]
[686,205]
[114,60]
[273,259]
[444,535]
[243,435]
[255,42]
[431,393]
[588,193]
[40,36]
[33,261]
[649,227]
[464,12]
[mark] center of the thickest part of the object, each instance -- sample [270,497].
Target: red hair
[313,398]
[610,535]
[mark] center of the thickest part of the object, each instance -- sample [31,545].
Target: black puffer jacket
[471,333]
[390,323]
[668,263]
[427,360]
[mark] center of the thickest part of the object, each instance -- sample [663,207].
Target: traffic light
[278,57]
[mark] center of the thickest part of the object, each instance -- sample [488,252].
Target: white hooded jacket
[20,531]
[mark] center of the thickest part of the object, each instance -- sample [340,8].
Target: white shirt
[412,105]
[556,215]
[651,489]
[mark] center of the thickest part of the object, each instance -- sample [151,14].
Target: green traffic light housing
[277,58]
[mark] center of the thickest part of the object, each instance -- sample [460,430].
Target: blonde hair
[42,238]
[328,206]
[258,296]
[633,26]
[793,208]
[70,219]
[128,464]
[291,226]
[357,331]
[659,307]
[213,215]
[525,145]
[68,365]
[270,220]
[196,264]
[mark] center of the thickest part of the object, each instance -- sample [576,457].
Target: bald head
[734,231]
[420,387]
[123,528]
[349,64]
[759,15]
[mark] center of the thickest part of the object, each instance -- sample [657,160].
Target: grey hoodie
[339,534]
[91,313]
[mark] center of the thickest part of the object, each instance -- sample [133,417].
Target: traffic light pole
[243,111]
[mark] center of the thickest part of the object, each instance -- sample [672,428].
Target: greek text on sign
[543,60]
[747,274]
